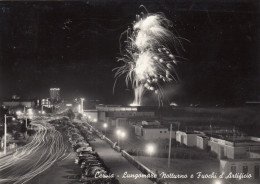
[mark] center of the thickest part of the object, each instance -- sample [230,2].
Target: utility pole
[82,109]
[5,132]
[210,129]
[26,126]
[170,147]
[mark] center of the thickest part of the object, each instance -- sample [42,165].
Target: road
[35,157]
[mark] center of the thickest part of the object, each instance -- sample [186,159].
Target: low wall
[138,165]
[145,170]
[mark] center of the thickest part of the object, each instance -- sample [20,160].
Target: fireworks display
[146,53]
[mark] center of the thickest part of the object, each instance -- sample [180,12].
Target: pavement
[117,163]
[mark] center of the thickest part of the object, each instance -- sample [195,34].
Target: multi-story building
[55,94]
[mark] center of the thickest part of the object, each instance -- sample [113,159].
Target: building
[46,103]
[234,149]
[106,113]
[254,154]
[187,138]
[245,166]
[92,115]
[16,103]
[55,94]
[202,142]
[151,132]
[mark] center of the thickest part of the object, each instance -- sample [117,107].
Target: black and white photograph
[130,92]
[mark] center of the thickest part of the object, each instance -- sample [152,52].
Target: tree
[70,114]
[79,116]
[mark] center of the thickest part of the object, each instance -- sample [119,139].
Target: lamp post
[150,149]
[170,147]
[120,134]
[81,101]
[5,132]
[26,121]
[105,127]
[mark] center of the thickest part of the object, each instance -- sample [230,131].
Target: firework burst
[148,61]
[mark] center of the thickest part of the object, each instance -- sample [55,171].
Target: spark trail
[147,56]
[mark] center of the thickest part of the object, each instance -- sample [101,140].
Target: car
[86,167]
[79,159]
[87,160]
[84,154]
[87,148]
[86,163]
[93,170]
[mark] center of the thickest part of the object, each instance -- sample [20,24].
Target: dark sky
[74,45]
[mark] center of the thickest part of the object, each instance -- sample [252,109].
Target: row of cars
[93,168]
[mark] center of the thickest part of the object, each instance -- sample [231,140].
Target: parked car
[84,154]
[78,160]
[82,149]
[93,170]
[86,164]
[91,165]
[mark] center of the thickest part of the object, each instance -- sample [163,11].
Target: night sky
[74,46]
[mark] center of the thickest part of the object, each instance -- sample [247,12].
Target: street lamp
[18,113]
[120,134]
[5,132]
[105,127]
[217,182]
[150,148]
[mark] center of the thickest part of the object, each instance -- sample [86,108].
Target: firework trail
[147,58]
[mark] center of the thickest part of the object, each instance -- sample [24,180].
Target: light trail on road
[46,147]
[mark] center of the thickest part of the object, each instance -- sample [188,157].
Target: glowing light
[150,148]
[217,182]
[123,134]
[105,125]
[133,104]
[18,113]
[30,112]
[118,132]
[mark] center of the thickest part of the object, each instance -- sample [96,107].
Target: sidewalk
[117,163]
[9,152]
